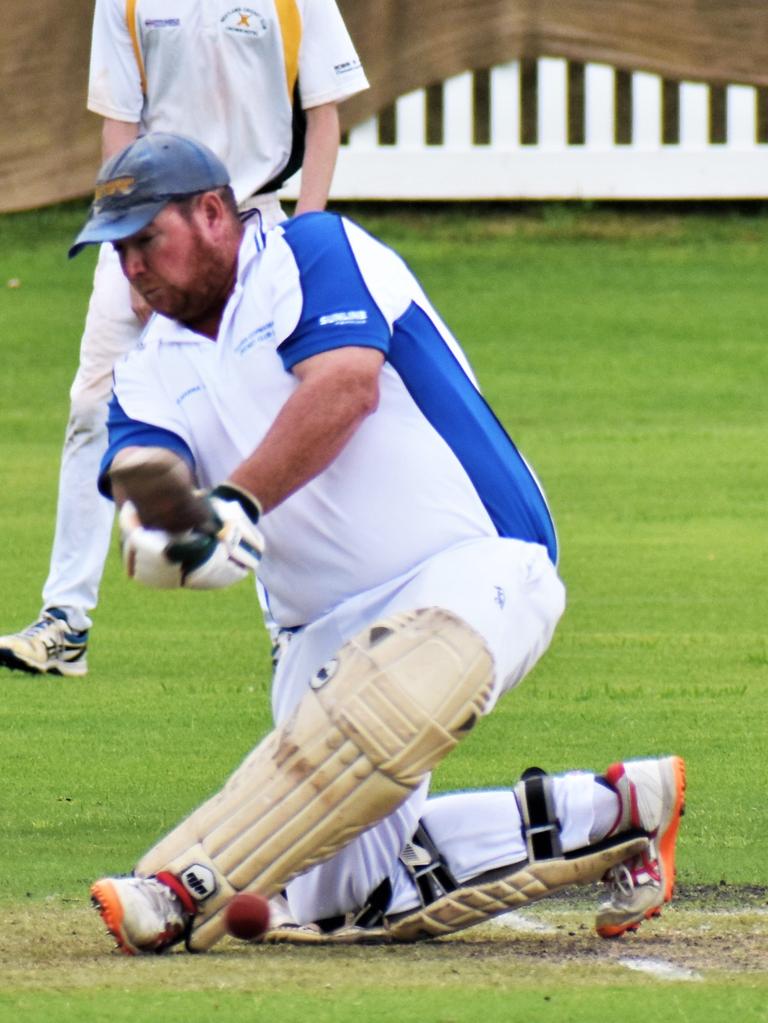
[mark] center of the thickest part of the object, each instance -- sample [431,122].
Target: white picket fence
[507,165]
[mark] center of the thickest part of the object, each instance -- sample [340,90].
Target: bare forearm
[312,428]
[116,135]
[321,150]
[160,485]
[336,391]
[288,458]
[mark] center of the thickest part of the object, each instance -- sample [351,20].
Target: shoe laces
[625,877]
[620,881]
[45,621]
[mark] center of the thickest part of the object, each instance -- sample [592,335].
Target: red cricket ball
[247,916]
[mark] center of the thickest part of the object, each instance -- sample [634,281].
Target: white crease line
[518,922]
[660,968]
[736,913]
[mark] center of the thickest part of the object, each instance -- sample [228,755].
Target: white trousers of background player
[509,592]
[83,517]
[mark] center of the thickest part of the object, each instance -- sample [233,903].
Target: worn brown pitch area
[63,945]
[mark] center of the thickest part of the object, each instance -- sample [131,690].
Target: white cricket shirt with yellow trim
[222,73]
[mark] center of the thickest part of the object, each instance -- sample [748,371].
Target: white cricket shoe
[143,914]
[651,797]
[47,647]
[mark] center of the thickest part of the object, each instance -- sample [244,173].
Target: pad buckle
[428,870]
[541,828]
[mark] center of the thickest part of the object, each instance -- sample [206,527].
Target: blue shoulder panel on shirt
[456,409]
[125,432]
[338,310]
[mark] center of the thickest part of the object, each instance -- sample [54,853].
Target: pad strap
[372,913]
[541,828]
[429,871]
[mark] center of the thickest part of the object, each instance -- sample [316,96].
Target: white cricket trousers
[479,831]
[83,517]
[510,593]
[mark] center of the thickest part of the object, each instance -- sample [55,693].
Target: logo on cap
[117,186]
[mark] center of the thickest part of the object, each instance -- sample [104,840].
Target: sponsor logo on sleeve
[346,67]
[162,22]
[353,318]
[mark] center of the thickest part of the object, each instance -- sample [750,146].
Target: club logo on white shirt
[189,391]
[245,21]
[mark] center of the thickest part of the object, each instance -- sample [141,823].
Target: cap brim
[111,225]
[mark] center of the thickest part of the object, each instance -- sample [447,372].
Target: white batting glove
[212,562]
[143,552]
[195,560]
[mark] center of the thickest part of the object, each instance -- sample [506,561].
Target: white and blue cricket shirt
[431,468]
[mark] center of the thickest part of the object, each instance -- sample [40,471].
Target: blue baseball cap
[135,185]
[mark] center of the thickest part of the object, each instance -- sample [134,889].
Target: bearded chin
[203,295]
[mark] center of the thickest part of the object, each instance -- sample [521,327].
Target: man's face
[175,266]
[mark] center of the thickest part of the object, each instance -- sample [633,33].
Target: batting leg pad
[482,900]
[488,896]
[375,721]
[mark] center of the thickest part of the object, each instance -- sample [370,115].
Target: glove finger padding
[193,560]
[213,562]
[143,552]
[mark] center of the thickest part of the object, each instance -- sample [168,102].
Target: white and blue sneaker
[47,647]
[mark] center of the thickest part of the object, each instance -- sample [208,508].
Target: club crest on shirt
[245,21]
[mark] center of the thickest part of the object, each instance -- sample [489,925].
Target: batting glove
[194,559]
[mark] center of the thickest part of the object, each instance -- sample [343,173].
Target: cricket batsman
[298,408]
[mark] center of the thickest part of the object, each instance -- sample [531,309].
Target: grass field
[626,353]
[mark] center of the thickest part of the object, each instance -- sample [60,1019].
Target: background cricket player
[261,89]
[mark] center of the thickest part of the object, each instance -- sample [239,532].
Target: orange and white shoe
[651,797]
[143,914]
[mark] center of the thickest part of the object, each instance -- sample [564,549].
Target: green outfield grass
[626,354]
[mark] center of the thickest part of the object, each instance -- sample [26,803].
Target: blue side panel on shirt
[338,309]
[456,409]
[125,432]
